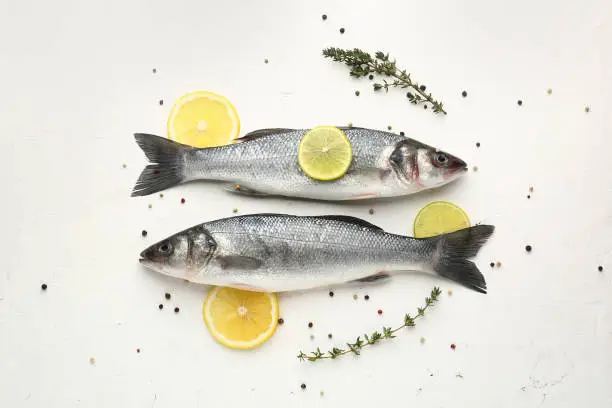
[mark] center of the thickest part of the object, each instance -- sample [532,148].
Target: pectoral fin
[374,278]
[239,262]
[238,189]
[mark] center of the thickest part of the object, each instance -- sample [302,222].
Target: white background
[76,81]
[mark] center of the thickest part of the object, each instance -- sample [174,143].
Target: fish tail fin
[168,164]
[453,251]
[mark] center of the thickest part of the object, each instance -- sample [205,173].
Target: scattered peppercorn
[371,77]
[324,16]
[402,134]
[424,106]
[176,310]
[161,102]
[321,393]
[528,196]
[310,325]
[450,292]
[367,297]
[303,386]
[379,311]
[464,94]
[371,211]
[422,87]
[167,296]
[389,127]
[124,165]
[409,95]
[43,286]
[530,188]
[154,70]
[331,294]
[329,336]
[342,31]
[92,360]
[281,320]
[422,340]
[355,296]
[350,124]
[587,109]
[235,210]
[160,306]
[475,168]
[144,233]
[161,195]
[150,205]
[477,144]
[498,264]
[138,350]
[312,337]
[182,201]
[520,103]
[549,91]
[266,61]
[600,268]
[453,346]
[528,248]
[492,264]
[357,93]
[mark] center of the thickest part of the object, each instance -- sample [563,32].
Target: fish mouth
[458,169]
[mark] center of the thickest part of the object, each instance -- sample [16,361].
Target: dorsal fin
[350,220]
[256,134]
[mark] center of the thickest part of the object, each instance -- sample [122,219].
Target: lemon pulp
[240,319]
[439,217]
[325,153]
[203,119]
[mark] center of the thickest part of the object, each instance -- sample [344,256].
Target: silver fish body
[265,162]
[276,253]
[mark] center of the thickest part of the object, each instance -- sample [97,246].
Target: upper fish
[265,162]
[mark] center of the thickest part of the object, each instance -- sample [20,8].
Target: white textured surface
[76,82]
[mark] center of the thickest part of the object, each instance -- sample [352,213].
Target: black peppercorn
[342,31]
[464,94]
[303,386]
[371,77]
[477,144]
[310,325]
[528,248]
[144,233]
[492,264]
[324,16]
[160,307]
[167,296]
[600,268]
[402,134]
[281,320]
[409,95]
[520,102]
[44,285]
[422,87]
[176,310]
[331,294]
[367,297]
[329,336]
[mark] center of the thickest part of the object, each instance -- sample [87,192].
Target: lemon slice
[439,217]
[240,319]
[203,119]
[325,153]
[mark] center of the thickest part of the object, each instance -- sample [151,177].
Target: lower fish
[279,253]
[265,162]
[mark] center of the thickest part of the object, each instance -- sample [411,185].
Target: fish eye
[441,159]
[165,248]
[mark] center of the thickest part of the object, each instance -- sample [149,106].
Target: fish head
[423,165]
[182,255]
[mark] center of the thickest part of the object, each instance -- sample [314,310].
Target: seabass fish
[265,162]
[276,253]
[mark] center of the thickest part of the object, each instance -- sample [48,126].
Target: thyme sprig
[375,337]
[364,64]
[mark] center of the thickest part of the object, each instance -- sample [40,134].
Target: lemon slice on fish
[240,319]
[439,217]
[203,119]
[325,153]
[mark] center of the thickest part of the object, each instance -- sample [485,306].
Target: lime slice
[325,153]
[439,217]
